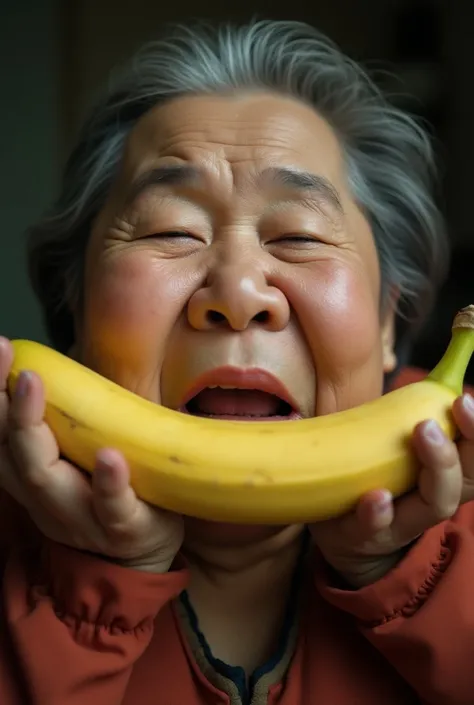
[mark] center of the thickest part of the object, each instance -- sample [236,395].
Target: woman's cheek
[127,317]
[348,319]
[339,314]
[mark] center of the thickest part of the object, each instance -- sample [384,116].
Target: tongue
[235,402]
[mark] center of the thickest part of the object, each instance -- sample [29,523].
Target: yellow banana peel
[245,472]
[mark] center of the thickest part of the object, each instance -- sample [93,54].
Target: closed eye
[173,234]
[298,238]
[176,243]
[176,238]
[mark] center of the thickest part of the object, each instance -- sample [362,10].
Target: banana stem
[451,369]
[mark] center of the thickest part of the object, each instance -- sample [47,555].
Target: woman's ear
[389,356]
[388,331]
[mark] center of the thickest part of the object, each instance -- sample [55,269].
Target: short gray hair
[390,160]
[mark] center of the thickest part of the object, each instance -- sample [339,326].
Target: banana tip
[464,318]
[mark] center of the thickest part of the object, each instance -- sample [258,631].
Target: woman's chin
[224,534]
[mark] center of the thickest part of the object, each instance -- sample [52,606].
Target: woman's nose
[235,296]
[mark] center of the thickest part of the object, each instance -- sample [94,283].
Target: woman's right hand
[101,514]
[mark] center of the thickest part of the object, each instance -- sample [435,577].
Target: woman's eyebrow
[289,177]
[306,181]
[166,175]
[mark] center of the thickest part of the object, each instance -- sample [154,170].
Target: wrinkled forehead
[248,132]
[233,143]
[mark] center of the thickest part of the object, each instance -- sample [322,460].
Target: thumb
[114,501]
[364,531]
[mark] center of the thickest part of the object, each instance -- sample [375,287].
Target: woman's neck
[240,593]
[227,548]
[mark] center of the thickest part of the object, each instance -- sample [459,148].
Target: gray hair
[390,161]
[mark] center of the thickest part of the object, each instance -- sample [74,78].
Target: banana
[244,472]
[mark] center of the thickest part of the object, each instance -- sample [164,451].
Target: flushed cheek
[348,315]
[338,312]
[130,308]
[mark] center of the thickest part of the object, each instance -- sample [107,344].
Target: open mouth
[237,404]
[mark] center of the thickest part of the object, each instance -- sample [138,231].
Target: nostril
[215,317]
[262,317]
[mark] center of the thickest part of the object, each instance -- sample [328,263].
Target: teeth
[221,386]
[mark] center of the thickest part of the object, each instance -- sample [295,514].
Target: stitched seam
[437,570]
[76,622]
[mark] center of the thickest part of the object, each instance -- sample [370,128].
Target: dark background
[55,56]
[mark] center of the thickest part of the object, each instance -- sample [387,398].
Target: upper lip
[234,377]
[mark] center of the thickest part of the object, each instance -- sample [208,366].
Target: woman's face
[230,253]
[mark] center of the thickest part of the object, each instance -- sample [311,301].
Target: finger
[374,513]
[440,482]
[115,503]
[49,487]
[27,405]
[439,486]
[8,477]
[6,359]
[463,413]
[32,443]
[369,526]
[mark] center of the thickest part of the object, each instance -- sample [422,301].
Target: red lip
[253,378]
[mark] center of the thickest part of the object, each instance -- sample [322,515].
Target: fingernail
[384,502]
[433,433]
[22,384]
[104,472]
[468,404]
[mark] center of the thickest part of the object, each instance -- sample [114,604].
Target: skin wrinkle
[216,157]
[175,181]
[179,147]
[157,200]
[147,295]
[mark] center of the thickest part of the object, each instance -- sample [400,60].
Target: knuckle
[35,477]
[121,533]
[444,509]
[448,456]
[448,504]
[446,512]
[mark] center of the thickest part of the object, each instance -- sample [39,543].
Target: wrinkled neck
[243,595]
[236,551]
[246,578]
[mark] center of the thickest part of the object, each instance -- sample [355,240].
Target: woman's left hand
[365,545]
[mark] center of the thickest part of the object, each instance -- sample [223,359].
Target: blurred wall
[57,55]
[103,33]
[28,148]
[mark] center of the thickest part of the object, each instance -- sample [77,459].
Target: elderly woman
[242,197]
